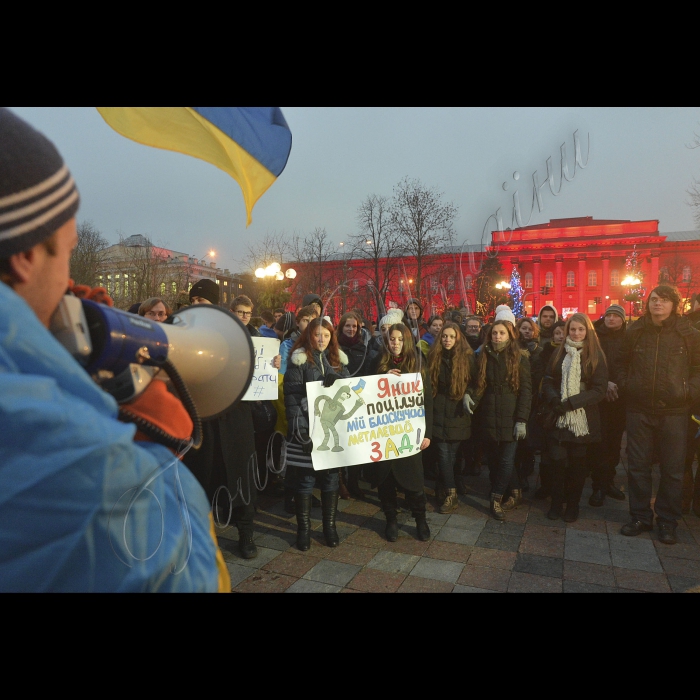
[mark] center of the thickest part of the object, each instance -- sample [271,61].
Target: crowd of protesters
[504,392]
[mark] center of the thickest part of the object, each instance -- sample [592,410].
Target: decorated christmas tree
[633,281]
[516,293]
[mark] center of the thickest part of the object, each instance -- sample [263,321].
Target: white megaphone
[208,346]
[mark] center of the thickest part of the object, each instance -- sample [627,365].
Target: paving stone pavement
[468,552]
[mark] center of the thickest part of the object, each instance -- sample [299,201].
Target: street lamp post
[630,281]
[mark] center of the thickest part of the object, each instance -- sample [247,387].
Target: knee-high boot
[302,504]
[329,509]
[577,480]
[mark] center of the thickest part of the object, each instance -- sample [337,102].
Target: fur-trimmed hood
[299,357]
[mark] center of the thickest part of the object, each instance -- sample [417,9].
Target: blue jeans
[306,479]
[501,459]
[447,454]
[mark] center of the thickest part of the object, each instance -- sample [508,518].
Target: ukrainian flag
[251,144]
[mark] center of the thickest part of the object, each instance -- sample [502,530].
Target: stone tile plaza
[468,552]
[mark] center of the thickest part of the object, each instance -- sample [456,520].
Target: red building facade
[576,264]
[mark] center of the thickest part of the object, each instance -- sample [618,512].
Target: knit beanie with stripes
[37,193]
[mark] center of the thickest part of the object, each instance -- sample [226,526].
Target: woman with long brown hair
[452,370]
[402,357]
[574,384]
[504,391]
[315,356]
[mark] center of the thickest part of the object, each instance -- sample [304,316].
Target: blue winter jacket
[69,471]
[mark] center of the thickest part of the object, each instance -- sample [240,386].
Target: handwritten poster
[263,386]
[365,419]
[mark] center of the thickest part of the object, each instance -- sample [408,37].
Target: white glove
[519,431]
[468,402]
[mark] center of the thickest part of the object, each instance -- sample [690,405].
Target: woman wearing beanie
[574,384]
[452,370]
[504,390]
[380,342]
[538,367]
[315,356]
[402,357]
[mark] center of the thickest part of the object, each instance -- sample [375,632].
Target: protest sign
[365,419]
[263,386]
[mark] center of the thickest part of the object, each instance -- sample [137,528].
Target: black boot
[302,504]
[245,544]
[545,489]
[289,501]
[329,509]
[422,529]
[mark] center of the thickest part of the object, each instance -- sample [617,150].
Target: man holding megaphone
[83,507]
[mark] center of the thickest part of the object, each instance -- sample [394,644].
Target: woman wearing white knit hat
[574,384]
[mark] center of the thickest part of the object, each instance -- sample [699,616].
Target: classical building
[575,264]
[134,269]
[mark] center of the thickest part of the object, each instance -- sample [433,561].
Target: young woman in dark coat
[528,336]
[355,342]
[315,356]
[504,394]
[538,368]
[574,385]
[452,370]
[402,357]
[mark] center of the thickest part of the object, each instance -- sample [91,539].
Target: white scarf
[575,421]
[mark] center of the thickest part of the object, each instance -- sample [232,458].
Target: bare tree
[423,222]
[272,247]
[377,242]
[680,272]
[314,251]
[88,256]
[694,192]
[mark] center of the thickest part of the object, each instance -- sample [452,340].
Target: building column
[582,284]
[654,270]
[606,280]
[559,293]
[536,284]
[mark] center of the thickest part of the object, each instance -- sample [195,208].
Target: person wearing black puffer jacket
[315,356]
[574,385]
[504,392]
[604,458]
[659,371]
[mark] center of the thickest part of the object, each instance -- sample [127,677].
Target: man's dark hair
[278,311]
[267,316]
[6,269]
[666,291]
[241,300]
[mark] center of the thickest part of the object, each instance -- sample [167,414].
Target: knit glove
[561,408]
[330,378]
[469,403]
[519,431]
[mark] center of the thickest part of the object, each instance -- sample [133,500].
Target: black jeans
[670,433]
[569,470]
[447,456]
[604,456]
[387,497]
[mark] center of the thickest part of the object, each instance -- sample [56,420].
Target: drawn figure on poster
[332,412]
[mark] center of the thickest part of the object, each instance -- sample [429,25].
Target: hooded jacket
[67,469]
[611,343]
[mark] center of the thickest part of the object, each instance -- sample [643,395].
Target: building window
[218,282]
[686,274]
[570,279]
[451,283]
[434,284]
[592,306]
[592,278]
[615,278]
[549,279]
[528,280]
[174,287]
[225,283]
[162,289]
[468,281]
[240,286]
[401,285]
[355,285]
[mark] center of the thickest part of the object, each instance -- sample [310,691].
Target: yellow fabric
[224,578]
[183,130]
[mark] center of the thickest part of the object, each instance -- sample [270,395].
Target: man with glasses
[659,371]
[472,330]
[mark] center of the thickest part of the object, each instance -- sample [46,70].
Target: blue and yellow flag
[251,144]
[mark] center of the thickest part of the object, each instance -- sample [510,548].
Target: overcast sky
[639,168]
